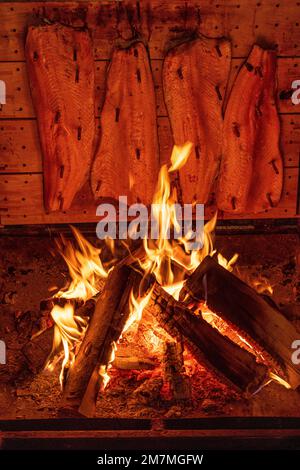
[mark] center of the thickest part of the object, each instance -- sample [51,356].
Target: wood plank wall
[158,23]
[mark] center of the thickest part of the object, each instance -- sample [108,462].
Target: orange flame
[86,271]
[164,255]
[169,260]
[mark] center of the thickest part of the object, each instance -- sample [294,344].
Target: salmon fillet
[61,74]
[127,160]
[267,178]
[251,171]
[195,76]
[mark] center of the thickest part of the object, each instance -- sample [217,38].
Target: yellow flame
[136,308]
[180,155]
[170,259]
[85,267]
[279,380]
[86,270]
[68,330]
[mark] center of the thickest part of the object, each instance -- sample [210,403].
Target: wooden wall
[159,23]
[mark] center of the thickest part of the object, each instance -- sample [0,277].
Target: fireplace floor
[29,270]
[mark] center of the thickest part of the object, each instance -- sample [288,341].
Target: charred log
[233,365]
[174,372]
[260,323]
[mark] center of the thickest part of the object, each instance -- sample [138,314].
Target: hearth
[149,230]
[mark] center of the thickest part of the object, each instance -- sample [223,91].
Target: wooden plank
[18,98]
[19,103]
[159,22]
[20,148]
[21,202]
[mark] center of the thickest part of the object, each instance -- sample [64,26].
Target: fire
[86,271]
[180,155]
[85,268]
[279,380]
[168,259]
[68,331]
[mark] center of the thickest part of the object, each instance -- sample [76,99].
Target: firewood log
[233,365]
[60,66]
[133,363]
[174,373]
[111,313]
[260,323]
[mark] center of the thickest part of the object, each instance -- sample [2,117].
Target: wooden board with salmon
[61,74]
[251,173]
[195,75]
[127,160]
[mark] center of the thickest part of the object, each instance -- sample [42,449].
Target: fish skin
[195,76]
[127,160]
[60,66]
[251,136]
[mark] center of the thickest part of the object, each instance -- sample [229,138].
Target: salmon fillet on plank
[195,76]
[251,171]
[60,66]
[127,160]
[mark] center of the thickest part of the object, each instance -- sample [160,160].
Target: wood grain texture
[127,160]
[19,205]
[20,148]
[159,22]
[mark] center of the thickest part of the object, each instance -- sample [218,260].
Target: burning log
[233,365]
[260,323]
[111,313]
[174,371]
[133,363]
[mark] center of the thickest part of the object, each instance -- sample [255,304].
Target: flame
[136,308]
[68,331]
[279,380]
[168,259]
[85,267]
[180,155]
[86,271]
